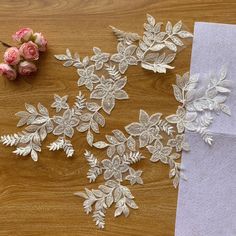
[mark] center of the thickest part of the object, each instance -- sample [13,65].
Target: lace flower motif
[159,152]
[114,168]
[109,90]
[182,120]
[134,176]
[124,57]
[66,123]
[99,58]
[87,77]
[60,103]
[179,143]
[145,128]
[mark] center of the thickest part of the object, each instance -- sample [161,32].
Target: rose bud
[40,41]
[7,71]
[29,51]
[27,68]
[12,56]
[23,35]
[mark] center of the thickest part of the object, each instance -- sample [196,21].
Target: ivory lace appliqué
[103,75]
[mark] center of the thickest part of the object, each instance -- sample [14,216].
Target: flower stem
[5,44]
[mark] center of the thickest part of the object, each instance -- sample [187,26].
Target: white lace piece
[102,75]
[195,115]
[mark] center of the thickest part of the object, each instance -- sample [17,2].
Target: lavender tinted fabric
[207,200]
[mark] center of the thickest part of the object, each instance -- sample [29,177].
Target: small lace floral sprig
[102,75]
[123,150]
[199,105]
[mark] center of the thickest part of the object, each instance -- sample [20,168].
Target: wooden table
[37,198]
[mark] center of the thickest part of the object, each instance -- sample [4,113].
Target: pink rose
[12,56]
[29,51]
[23,35]
[40,41]
[7,71]
[27,68]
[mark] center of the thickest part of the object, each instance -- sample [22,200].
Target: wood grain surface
[37,198]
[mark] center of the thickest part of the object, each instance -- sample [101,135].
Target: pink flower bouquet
[21,60]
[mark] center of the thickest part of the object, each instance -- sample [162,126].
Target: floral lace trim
[123,150]
[102,75]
